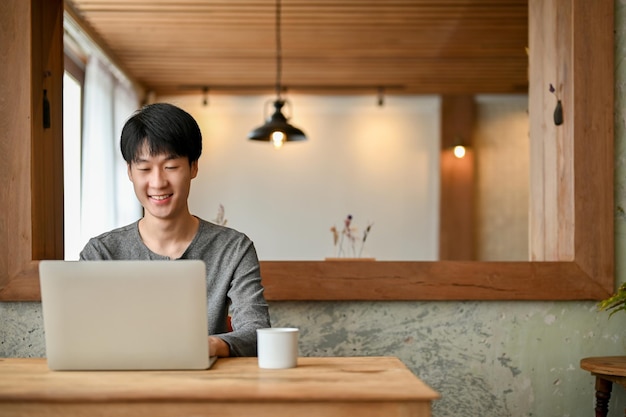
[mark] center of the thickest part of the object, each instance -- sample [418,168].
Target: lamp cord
[278,51]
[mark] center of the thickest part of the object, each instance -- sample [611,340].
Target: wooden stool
[607,370]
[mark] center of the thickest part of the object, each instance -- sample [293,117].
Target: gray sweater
[232,273]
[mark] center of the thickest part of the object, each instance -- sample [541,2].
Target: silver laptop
[125,315]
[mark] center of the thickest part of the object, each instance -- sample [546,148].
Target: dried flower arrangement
[349,234]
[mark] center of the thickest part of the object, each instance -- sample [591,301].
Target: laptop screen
[125,315]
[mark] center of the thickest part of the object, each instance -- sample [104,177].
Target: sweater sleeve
[248,308]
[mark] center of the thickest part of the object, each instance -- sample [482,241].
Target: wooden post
[457,188]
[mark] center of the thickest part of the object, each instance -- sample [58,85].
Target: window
[73,80]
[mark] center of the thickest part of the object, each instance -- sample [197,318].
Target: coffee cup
[277,347]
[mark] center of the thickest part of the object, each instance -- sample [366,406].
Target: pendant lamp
[276,128]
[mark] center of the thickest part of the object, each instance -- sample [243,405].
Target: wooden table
[354,387]
[607,370]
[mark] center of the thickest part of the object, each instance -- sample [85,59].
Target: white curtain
[107,197]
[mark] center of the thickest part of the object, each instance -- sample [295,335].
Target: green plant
[616,302]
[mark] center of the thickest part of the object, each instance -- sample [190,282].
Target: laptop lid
[125,315]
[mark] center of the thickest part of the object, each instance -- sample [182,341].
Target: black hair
[164,128]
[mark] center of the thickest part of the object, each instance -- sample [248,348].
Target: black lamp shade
[277,122]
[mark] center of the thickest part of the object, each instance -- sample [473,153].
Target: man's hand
[217,347]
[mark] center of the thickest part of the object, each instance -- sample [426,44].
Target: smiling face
[162,183]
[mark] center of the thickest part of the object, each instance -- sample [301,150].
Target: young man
[161,144]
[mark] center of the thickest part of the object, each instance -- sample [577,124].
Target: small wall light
[459,151]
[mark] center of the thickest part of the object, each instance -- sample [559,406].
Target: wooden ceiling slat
[456,45]
[349,17]
[495,5]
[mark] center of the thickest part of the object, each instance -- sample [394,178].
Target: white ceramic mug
[277,347]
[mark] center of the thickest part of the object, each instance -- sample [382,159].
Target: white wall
[379,164]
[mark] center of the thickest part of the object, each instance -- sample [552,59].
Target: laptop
[125,315]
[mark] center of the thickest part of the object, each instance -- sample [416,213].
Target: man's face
[162,183]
